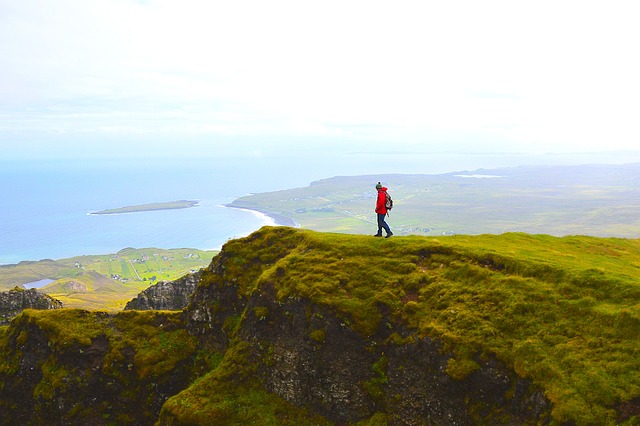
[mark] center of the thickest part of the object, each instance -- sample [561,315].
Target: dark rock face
[346,378]
[166,295]
[212,307]
[14,301]
[49,383]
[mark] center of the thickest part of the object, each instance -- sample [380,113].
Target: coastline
[270,219]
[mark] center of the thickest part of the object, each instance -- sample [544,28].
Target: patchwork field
[105,281]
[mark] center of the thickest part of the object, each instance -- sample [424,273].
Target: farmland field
[105,281]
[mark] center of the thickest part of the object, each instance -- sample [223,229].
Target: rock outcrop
[14,301]
[166,295]
[77,367]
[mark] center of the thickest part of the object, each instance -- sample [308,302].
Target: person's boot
[389,234]
[379,234]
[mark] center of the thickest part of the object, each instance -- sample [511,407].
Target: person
[381,210]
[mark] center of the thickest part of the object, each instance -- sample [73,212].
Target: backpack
[388,201]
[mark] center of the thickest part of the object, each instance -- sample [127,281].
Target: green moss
[318,335]
[9,361]
[243,405]
[376,385]
[261,312]
[22,338]
[67,327]
[460,369]
[206,360]
[158,338]
[53,376]
[398,340]
[231,324]
[378,419]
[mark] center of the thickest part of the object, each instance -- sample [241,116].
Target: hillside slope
[298,327]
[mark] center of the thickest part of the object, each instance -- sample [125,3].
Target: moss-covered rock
[289,326]
[14,301]
[78,367]
[166,295]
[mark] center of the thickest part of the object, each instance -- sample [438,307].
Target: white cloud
[534,76]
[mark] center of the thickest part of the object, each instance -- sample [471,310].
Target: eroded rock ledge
[14,301]
[166,295]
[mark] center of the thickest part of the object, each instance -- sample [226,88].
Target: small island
[170,205]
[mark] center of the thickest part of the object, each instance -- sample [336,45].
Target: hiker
[381,210]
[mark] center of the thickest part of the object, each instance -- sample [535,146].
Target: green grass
[564,312]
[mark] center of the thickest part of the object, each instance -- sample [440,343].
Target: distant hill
[90,290]
[597,200]
[85,282]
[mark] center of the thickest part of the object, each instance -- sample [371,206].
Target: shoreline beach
[270,219]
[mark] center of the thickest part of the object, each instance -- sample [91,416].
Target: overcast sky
[92,77]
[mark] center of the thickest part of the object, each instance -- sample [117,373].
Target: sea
[46,205]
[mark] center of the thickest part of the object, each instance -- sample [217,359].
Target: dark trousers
[382,224]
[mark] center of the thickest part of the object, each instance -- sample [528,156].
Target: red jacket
[381,203]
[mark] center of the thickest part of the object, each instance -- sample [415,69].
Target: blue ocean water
[45,205]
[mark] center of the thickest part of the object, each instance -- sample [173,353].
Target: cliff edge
[295,327]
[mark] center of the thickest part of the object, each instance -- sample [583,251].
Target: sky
[92,78]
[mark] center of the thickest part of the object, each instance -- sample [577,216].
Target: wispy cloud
[526,75]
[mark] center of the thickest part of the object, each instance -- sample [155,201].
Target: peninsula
[170,205]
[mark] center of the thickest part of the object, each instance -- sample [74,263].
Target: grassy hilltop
[563,313]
